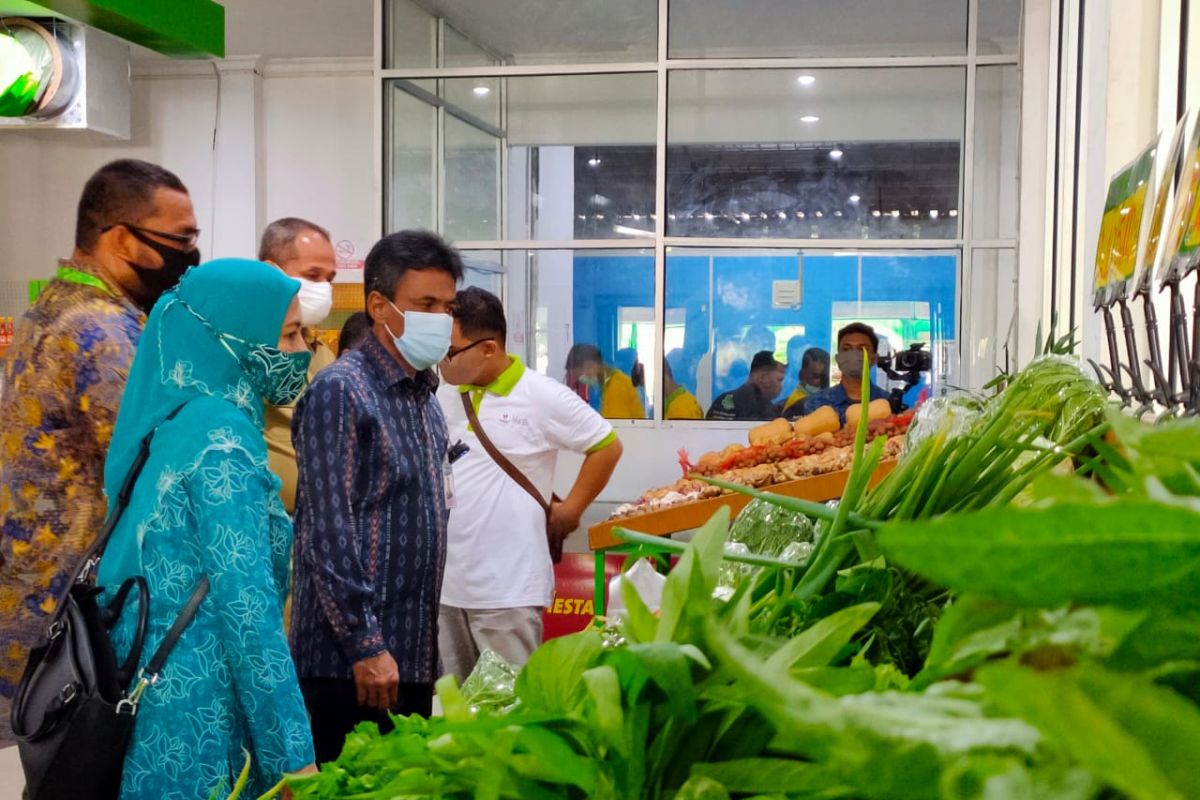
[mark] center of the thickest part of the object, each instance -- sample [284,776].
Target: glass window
[472,182]
[999,29]
[997,143]
[516,32]
[411,134]
[815,154]
[409,35]
[989,321]
[581,301]
[460,51]
[725,306]
[839,28]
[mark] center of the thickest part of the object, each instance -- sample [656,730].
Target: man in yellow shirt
[677,400]
[304,251]
[813,377]
[604,387]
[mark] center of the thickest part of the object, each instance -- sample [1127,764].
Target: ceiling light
[800,214]
[854,198]
[782,215]
[745,217]
[594,161]
[820,214]
[810,118]
[876,213]
[954,212]
[708,215]
[837,213]
[626,231]
[806,80]
[896,212]
[836,154]
[482,91]
[933,213]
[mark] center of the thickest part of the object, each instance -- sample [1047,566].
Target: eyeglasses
[455,353]
[186,241]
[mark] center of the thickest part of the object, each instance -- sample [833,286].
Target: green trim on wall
[177,28]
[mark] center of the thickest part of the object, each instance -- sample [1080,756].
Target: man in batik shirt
[135,236]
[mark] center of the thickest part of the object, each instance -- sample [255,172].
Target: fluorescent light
[482,91]
[854,198]
[836,154]
[806,80]
[594,161]
[627,231]
[810,118]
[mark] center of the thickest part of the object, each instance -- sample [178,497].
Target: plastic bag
[646,580]
[766,529]
[491,686]
[954,414]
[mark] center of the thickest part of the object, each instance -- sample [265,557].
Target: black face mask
[174,264]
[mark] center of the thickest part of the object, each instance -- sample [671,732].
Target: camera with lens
[907,366]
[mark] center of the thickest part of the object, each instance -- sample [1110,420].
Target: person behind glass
[813,378]
[214,350]
[606,388]
[303,250]
[754,399]
[677,400]
[135,235]
[355,330]
[796,348]
[499,576]
[371,509]
[852,340]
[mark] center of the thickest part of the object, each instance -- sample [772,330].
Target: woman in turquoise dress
[224,340]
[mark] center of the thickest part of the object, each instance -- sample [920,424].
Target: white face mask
[316,301]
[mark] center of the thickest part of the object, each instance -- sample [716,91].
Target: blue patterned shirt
[371,518]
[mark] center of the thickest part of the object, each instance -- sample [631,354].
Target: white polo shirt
[496,553]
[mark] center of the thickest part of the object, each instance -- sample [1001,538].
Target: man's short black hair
[120,191]
[814,355]
[863,328]
[397,253]
[480,314]
[356,328]
[764,359]
[582,354]
[279,238]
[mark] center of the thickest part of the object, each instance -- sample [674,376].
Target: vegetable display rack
[688,516]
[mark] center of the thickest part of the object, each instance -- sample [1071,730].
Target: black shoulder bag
[73,714]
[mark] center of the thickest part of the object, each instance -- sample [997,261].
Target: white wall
[294,138]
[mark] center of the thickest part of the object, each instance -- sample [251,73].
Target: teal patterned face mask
[276,376]
[279,377]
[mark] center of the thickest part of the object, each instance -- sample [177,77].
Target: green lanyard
[72,275]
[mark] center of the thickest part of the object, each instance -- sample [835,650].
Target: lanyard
[72,275]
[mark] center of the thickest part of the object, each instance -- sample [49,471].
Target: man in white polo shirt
[499,576]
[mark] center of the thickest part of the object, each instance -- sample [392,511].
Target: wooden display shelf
[688,516]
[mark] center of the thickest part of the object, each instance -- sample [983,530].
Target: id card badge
[448,483]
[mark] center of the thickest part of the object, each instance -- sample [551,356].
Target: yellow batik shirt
[63,379]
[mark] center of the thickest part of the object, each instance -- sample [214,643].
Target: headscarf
[182,356]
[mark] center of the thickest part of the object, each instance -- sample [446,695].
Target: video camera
[908,366]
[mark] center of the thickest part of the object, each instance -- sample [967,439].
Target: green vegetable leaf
[604,689]
[687,594]
[770,774]
[1157,640]
[1133,554]
[552,680]
[818,645]
[701,788]
[1141,739]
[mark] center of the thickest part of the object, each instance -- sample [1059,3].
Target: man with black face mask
[852,341]
[135,236]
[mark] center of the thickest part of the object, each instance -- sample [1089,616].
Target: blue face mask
[426,338]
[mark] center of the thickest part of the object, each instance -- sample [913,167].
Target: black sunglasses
[187,241]
[455,353]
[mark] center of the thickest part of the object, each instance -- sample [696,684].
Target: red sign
[574,603]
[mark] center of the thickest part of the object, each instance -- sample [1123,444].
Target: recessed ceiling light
[836,154]
[837,213]
[876,213]
[594,161]
[810,118]
[954,212]
[933,213]
[895,212]
[820,214]
[708,215]
[800,214]
[854,198]
[914,213]
[482,91]
[806,80]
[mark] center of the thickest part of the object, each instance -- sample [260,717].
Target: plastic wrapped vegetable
[766,529]
[952,415]
[491,685]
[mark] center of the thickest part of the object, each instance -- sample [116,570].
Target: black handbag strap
[91,558]
[159,659]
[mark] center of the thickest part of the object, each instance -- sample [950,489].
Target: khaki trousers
[464,633]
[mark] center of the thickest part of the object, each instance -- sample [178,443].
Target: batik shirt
[370,518]
[63,378]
